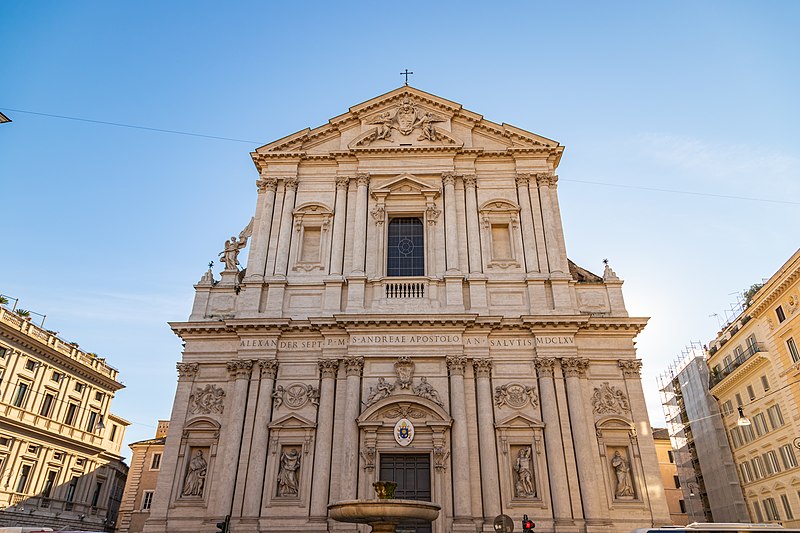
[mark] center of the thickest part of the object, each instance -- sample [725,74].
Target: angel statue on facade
[384,123]
[230,255]
[425,122]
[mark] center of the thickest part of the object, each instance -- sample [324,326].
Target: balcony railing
[717,377]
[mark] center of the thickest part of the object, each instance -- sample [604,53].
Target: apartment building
[669,477]
[754,365]
[141,485]
[60,463]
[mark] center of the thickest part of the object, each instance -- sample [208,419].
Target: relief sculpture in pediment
[405,119]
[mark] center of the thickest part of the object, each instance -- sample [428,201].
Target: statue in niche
[195,479]
[382,390]
[426,390]
[287,474]
[524,474]
[622,471]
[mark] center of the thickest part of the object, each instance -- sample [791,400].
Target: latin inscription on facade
[419,340]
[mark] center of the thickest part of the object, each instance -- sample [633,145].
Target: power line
[618,185]
[121,125]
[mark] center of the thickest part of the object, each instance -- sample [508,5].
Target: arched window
[406,248]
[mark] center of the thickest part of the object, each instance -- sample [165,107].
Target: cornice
[405,320]
[775,293]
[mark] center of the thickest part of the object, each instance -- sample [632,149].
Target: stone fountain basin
[383,511]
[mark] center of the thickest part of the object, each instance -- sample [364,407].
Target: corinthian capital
[482,366]
[522,179]
[470,181]
[269,368]
[448,178]
[574,366]
[239,368]
[362,179]
[265,183]
[456,364]
[353,365]
[545,179]
[342,182]
[328,367]
[290,183]
[544,366]
[187,370]
[631,368]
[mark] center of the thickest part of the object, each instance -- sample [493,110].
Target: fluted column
[490,483]
[462,508]
[574,369]
[353,369]
[169,462]
[450,223]
[239,370]
[285,235]
[473,227]
[360,230]
[257,258]
[258,449]
[320,489]
[339,218]
[526,218]
[556,464]
[556,255]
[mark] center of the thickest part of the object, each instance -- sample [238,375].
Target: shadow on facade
[88,502]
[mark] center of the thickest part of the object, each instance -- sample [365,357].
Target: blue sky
[107,228]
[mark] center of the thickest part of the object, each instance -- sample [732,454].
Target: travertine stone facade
[407,265]
[60,463]
[754,364]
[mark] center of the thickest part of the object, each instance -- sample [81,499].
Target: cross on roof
[406,73]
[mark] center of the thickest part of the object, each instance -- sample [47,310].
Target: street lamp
[743,420]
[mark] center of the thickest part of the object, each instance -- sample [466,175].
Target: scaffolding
[703,457]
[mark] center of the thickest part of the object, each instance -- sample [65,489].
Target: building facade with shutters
[408,312]
[754,364]
[60,462]
[670,478]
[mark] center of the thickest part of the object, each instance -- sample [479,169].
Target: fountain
[385,512]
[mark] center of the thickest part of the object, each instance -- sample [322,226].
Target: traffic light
[224,526]
[527,525]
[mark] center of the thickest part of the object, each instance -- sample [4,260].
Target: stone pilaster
[354,366]
[259,244]
[526,219]
[285,234]
[490,481]
[574,369]
[360,230]
[462,500]
[556,251]
[239,371]
[268,369]
[322,452]
[169,461]
[473,227]
[554,447]
[450,223]
[339,217]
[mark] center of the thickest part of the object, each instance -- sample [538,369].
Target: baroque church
[408,312]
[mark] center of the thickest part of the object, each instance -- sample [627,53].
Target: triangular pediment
[520,420]
[408,119]
[405,185]
[292,421]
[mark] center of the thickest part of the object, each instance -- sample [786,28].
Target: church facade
[408,312]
